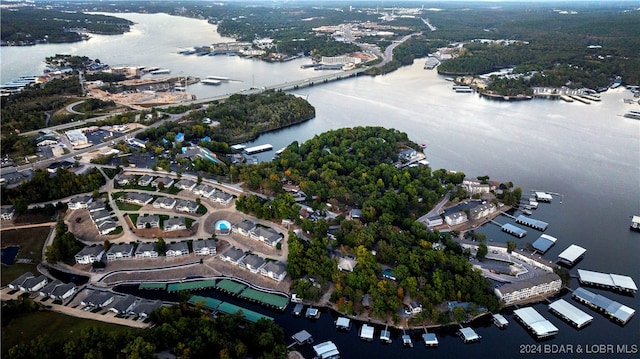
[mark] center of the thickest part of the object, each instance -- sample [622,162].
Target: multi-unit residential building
[120,251]
[164,202]
[186,184]
[89,254]
[204,190]
[80,202]
[177,249]
[138,198]
[274,270]
[244,228]
[187,206]
[153,221]
[539,286]
[166,181]
[266,235]
[252,262]
[232,255]
[175,224]
[205,247]
[146,250]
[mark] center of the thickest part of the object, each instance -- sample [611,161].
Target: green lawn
[57,326]
[172,190]
[201,210]
[124,206]
[31,241]
[188,222]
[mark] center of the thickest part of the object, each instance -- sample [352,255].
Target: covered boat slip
[543,197]
[571,313]
[468,335]
[611,281]
[230,286]
[226,308]
[614,310]
[366,332]
[326,350]
[514,230]
[500,321]
[430,339]
[535,322]
[544,242]
[571,255]
[274,300]
[302,337]
[343,323]
[195,285]
[153,286]
[533,223]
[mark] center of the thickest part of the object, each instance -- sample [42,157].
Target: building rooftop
[570,312]
[544,242]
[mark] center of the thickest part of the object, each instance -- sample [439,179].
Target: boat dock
[571,255]
[326,350]
[566,98]
[302,337]
[570,313]
[614,310]
[580,99]
[312,313]
[297,310]
[429,339]
[406,340]
[468,335]
[258,149]
[536,323]
[343,323]
[385,335]
[366,332]
[500,321]
[216,305]
[635,223]
[513,230]
[462,89]
[544,242]
[617,282]
[533,223]
[543,197]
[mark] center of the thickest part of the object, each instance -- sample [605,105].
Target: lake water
[589,154]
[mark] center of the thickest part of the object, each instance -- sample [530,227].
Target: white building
[205,247]
[542,285]
[456,218]
[274,270]
[175,224]
[177,249]
[79,202]
[89,254]
[77,138]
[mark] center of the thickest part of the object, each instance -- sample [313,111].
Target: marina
[612,309]
[533,223]
[366,332]
[500,321]
[218,306]
[571,255]
[616,282]
[544,242]
[160,72]
[210,82]
[570,313]
[536,323]
[635,223]
[462,89]
[543,197]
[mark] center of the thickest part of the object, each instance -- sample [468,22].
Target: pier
[571,255]
[533,223]
[612,309]
[226,308]
[536,323]
[514,230]
[544,242]
[617,282]
[570,313]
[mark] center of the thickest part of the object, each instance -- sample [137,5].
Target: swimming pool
[222,227]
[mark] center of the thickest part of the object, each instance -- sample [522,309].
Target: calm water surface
[588,153]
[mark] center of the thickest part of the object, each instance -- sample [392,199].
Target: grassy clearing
[31,241]
[124,206]
[57,326]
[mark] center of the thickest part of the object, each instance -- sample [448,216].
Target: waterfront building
[571,255]
[366,332]
[120,251]
[456,218]
[482,210]
[468,335]
[514,230]
[326,350]
[206,247]
[232,255]
[516,292]
[533,223]
[177,249]
[146,250]
[544,242]
[194,152]
[89,254]
[252,262]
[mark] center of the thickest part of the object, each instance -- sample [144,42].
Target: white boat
[219,78]
[160,72]
[211,82]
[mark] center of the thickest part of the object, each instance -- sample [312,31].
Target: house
[346,264]
[100,215]
[106,227]
[79,202]
[164,202]
[543,285]
[244,228]
[177,249]
[120,251]
[98,299]
[482,210]
[138,198]
[152,221]
[34,284]
[7,212]
[355,213]
[124,305]
[126,179]
[175,224]
[475,186]
[16,283]
[455,218]
[166,182]
[388,274]
[274,270]
[408,155]
[221,197]
[433,221]
[232,255]
[63,291]
[205,247]
[146,250]
[204,190]
[179,137]
[48,289]
[414,307]
[194,152]
[186,206]
[89,254]
[97,205]
[145,180]
[267,235]
[186,184]
[252,262]
[146,307]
